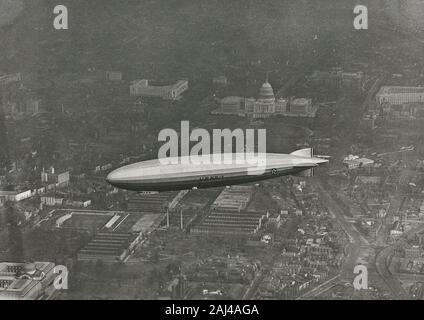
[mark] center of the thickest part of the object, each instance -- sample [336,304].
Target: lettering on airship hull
[209,178]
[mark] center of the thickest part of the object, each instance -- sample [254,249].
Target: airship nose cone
[124,174]
[114,176]
[110,178]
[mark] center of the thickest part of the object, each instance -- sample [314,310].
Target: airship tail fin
[304,153]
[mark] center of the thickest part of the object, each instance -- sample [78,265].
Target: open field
[9,10]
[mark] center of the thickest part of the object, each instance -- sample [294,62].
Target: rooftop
[20,278]
[397,90]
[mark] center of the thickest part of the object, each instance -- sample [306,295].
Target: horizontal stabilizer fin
[304,153]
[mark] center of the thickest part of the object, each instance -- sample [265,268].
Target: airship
[181,174]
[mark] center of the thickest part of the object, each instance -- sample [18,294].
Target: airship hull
[203,182]
[153,175]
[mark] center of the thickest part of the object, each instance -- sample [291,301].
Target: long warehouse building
[399,95]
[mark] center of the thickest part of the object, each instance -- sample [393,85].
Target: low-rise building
[395,95]
[83,203]
[300,106]
[220,80]
[413,252]
[32,106]
[114,75]
[170,92]
[52,201]
[109,247]
[358,163]
[60,179]
[232,105]
[337,77]
[230,223]
[236,198]
[15,196]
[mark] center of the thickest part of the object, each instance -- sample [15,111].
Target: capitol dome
[266,91]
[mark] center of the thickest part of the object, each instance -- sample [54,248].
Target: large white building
[232,105]
[25,281]
[15,196]
[171,92]
[337,77]
[301,106]
[399,95]
[266,105]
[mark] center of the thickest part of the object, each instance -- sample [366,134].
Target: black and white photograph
[212,155]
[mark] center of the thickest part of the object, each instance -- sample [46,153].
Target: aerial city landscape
[88,211]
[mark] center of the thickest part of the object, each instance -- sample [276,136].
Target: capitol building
[266,105]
